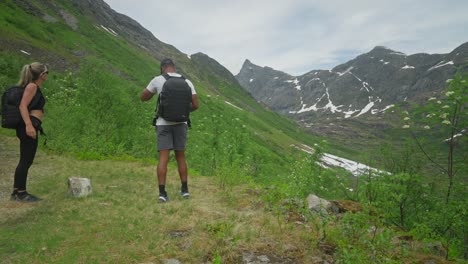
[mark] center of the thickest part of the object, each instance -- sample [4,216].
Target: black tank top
[39,101]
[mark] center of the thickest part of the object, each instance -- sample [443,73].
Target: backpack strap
[166,76]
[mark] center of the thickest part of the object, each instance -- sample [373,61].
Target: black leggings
[28,148]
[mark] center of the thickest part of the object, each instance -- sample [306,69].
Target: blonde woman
[32,111]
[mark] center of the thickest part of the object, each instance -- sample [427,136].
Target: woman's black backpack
[11,99]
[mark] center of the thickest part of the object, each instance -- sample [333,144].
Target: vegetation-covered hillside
[99,63]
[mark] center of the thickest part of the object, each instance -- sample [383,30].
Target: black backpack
[175,100]
[11,99]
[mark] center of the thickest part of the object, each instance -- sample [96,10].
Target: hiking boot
[25,197]
[185,195]
[163,199]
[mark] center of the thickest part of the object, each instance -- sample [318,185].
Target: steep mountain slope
[353,93]
[100,60]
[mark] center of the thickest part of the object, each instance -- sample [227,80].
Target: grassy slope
[117,219]
[135,67]
[121,221]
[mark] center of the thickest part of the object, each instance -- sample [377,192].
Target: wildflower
[449,93]
[405,112]
[446,122]
[439,102]
[427,127]
[446,106]
[444,115]
[406,118]
[429,115]
[448,80]
[432,98]
[406,126]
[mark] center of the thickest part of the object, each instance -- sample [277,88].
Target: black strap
[37,123]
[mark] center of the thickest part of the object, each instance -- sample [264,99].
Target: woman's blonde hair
[31,72]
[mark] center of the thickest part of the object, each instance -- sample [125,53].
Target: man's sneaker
[25,197]
[185,195]
[163,199]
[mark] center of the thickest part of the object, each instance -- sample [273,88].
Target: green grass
[121,221]
[98,128]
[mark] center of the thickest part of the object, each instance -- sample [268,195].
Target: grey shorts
[172,137]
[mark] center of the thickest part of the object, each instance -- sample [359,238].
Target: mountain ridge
[363,88]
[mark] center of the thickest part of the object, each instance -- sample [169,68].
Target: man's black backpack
[175,99]
[11,99]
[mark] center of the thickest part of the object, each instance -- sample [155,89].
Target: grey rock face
[362,87]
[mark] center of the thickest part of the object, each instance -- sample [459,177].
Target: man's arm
[146,95]
[194,102]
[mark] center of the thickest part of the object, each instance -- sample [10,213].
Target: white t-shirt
[155,86]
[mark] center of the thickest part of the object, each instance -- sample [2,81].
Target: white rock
[79,187]
[318,204]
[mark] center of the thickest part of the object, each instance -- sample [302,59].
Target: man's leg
[183,173]
[164,138]
[162,170]
[180,140]
[181,165]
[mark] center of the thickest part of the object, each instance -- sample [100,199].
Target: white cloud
[297,36]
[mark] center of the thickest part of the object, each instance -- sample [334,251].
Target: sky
[297,36]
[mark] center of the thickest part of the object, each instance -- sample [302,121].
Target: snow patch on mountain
[112,32]
[407,67]
[349,113]
[355,168]
[235,106]
[329,106]
[369,105]
[440,64]
[329,160]
[347,70]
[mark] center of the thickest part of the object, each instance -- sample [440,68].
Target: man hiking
[176,99]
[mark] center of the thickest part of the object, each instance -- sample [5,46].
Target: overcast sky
[297,36]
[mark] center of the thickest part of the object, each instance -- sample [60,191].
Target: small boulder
[79,187]
[318,204]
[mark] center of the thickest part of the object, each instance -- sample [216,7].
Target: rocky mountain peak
[362,88]
[206,64]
